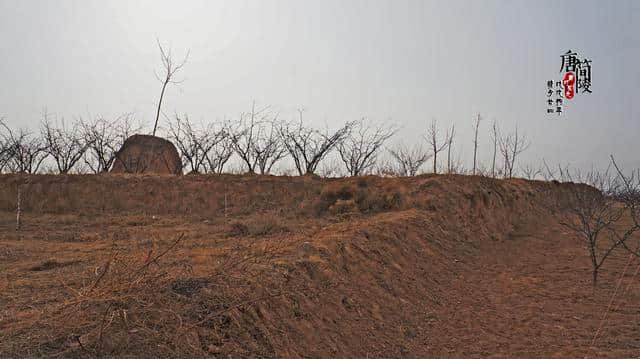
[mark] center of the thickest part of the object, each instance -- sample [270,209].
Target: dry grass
[257,226]
[359,196]
[150,305]
[298,267]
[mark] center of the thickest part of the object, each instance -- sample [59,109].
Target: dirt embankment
[210,196]
[297,267]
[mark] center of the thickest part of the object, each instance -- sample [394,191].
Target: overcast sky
[399,62]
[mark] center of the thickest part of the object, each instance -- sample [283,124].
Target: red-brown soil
[430,266]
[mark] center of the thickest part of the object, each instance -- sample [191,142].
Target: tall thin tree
[434,143]
[450,136]
[495,133]
[170,68]
[476,125]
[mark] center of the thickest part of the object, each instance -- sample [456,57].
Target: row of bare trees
[506,147]
[69,145]
[259,139]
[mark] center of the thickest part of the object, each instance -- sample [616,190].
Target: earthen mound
[147,154]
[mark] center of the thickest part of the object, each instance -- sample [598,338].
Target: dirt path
[531,296]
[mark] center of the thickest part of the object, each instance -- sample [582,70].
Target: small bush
[258,226]
[238,229]
[338,198]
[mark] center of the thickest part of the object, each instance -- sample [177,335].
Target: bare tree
[520,144]
[548,173]
[457,166]
[170,67]
[589,211]
[308,146]
[434,143]
[65,144]
[194,143]
[476,125]
[409,160]
[360,147]
[331,169]
[257,141]
[25,151]
[449,140]
[4,152]
[269,148]
[530,171]
[495,134]
[220,153]
[105,138]
[511,145]
[628,195]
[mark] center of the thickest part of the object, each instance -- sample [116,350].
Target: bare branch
[360,147]
[257,141]
[476,125]
[408,160]
[308,146]
[170,69]
[24,152]
[434,143]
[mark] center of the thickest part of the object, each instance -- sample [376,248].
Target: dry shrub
[238,229]
[378,200]
[344,206]
[258,226]
[149,306]
[362,196]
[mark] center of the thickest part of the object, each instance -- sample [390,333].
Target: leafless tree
[628,195]
[220,153]
[495,135]
[257,141]
[105,138]
[308,146]
[589,211]
[65,144]
[4,153]
[24,150]
[504,144]
[194,144]
[268,148]
[548,173]
[449,139]
[476,126]
[531,171]
[360,147]
[511,145]
[457,166]
[564,173]
[170,67]
[331,169]
[409,160]
[434,143]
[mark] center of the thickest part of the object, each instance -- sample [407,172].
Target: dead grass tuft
[336,198]
[258,226]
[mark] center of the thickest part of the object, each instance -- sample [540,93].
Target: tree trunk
[155,126]
[435,156]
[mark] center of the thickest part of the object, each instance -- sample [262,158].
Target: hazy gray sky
[404,62]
